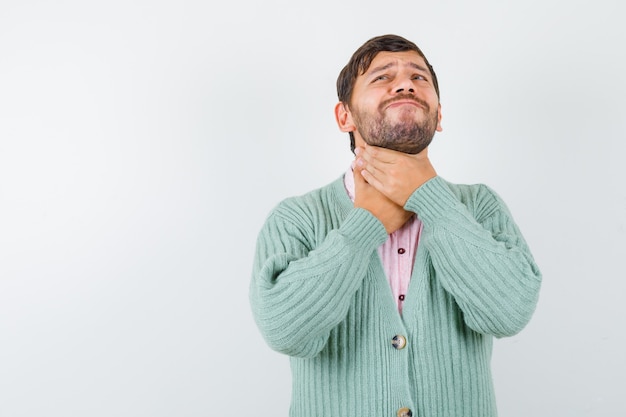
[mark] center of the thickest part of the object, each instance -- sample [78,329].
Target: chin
[408,147]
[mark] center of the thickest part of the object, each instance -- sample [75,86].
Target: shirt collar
[348,183]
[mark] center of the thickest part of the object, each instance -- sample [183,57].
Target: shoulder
[479,198]
[314,204]
[468,192]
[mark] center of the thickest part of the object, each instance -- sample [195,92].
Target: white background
[142,144]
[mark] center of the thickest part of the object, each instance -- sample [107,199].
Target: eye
[380,78]
[419,77]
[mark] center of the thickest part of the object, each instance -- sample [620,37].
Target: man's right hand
[391,215]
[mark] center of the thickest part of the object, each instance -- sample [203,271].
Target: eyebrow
[393,64]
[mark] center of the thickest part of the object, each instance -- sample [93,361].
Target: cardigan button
[398,341]
[405,412]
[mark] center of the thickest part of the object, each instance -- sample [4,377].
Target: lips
[401,101]
[404,102]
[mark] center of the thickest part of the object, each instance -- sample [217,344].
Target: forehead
[404,58]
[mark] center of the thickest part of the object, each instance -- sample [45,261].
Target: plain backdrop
[142,144]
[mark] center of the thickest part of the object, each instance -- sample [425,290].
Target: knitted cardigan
[319,294]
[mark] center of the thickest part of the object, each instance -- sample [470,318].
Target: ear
[439,128]
[344,118]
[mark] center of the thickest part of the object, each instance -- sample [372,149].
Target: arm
[480,257]
[299,292]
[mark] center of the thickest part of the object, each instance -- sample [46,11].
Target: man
[387,286]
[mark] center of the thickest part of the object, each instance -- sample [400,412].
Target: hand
[395,174]
[391,215]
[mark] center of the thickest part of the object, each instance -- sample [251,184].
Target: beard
[404,135]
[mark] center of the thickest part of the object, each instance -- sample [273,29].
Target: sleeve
[299,293]
[479,256]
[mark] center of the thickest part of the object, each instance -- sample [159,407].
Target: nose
[404,85]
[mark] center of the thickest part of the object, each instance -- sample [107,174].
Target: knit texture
[320,295]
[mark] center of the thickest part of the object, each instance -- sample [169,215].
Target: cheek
[368,99]
[432,98]
[369,104]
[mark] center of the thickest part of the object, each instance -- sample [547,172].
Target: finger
[359,180]
[371,180]
[376,168]
[369,168]
[382,155]
[367,161]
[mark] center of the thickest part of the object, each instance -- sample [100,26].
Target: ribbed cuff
[364,228]
[433,200]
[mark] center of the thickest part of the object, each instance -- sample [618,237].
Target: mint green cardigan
[319,294]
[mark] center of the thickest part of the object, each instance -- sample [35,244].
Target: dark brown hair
[362,59]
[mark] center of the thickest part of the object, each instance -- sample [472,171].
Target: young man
[387,286]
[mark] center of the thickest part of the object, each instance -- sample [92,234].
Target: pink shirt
[397,254]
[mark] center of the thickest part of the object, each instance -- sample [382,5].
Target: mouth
[401,103]
[404,101]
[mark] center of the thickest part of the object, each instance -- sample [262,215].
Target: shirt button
[398,341]
[401,251]
[405,412]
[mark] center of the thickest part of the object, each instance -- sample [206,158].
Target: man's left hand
[395,174]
